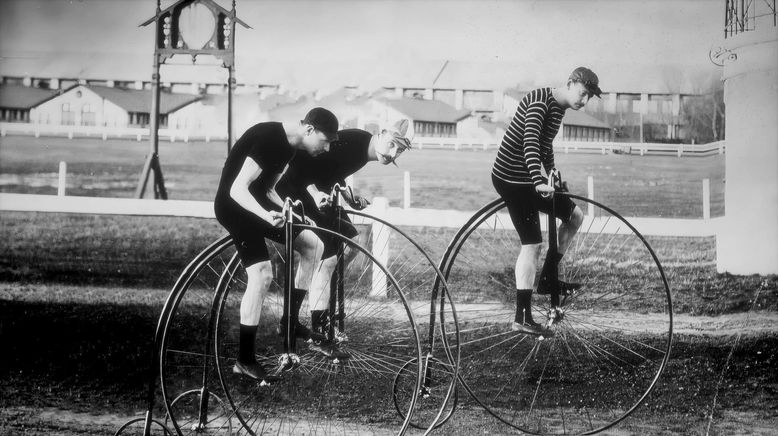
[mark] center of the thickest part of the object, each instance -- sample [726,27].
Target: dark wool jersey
[268,146]
[528,141]
[346,156]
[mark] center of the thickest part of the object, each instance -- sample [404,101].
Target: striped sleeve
[533,133]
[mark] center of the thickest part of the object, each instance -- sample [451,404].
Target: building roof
[133,100]
[583,119]
[24,97]
[307,76]
[427,110]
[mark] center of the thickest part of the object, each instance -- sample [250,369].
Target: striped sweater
[528,141]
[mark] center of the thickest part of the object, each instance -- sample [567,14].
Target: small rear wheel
[199,415]
[137,427]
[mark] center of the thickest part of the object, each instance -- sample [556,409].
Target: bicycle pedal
[340,337]
[289,361]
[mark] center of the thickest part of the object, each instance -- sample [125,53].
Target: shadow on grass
[75,356]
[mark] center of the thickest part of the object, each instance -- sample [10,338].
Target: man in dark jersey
[311,180]
[519,175]
[248,206]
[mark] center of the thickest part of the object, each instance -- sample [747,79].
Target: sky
[632,31]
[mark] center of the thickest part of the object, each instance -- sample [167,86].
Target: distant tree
[704,116]
[701,117]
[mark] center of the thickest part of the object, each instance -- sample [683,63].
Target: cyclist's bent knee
[309,244]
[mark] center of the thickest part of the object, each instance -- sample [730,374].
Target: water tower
[747,242]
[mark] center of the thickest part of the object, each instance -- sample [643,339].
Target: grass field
[632,185]
[80,295]
[79,298]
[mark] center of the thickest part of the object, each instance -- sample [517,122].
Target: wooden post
[379,248]
[706,199]
[63,169]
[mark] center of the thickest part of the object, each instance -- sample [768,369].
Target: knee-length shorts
[524,204]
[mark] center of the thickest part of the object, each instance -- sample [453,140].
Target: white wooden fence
[639,148]
[474,144]
[379,208]
[105,132]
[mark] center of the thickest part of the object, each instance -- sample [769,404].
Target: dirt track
[76,366]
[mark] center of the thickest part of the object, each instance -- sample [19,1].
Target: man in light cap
[312,178]
[519,174]
[248,206]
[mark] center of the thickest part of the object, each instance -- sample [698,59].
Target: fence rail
[106,132]
[395,215]
[468,144]
[641,148]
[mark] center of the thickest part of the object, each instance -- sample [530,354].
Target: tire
[319,396]
[425,290]
[137,427]
[611,342]
[186,365]
[217,420]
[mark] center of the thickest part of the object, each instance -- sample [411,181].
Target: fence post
[406,190]
[706,199]
[63,169]
[590,195]
[379,248]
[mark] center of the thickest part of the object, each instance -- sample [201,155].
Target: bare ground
[74,361]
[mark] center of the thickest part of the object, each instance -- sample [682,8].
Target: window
[139,119]
[88,115]
[68,116]
[426,128]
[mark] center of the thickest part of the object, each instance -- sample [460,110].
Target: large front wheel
[321,396]
[612,336]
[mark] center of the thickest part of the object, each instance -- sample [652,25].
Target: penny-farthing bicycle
[375,323]
[612,337]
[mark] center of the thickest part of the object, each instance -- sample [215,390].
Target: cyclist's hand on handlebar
[545,191]
[321,199]
[276,218]
[358,203]
[309,221]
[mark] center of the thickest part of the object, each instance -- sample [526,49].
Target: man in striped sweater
[519,175]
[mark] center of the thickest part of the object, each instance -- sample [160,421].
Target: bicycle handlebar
[337,189]
[287,211]
[555,181]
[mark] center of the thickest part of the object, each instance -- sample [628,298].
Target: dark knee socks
[248,334]
[523,305]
